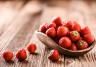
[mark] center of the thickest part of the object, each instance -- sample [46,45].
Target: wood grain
[20,31]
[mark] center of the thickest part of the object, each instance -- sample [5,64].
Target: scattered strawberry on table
[8,55]
[54,55]
[32,48]
[21,55]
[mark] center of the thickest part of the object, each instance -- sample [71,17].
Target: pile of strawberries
[68,35]
[21,55]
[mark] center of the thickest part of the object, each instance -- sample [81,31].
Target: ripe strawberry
[32,48]
[51,32]
[43,27]
[57,21]
[73,47]
[21,55]
[8,56]
[62,31]
[70,25]
[81,44]
[85,30]
[89,38]
[74,35]
[76,27]
[52,25]
[54,55]
[65,42]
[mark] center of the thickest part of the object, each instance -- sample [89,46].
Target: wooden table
[19,20]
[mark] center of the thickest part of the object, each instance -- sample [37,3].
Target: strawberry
[76,27]
[73,47]
[89,38]
[65,42]
[43,27]
[81,44]
[72,25]
[32,48]
[62,31]
[52,25]
[21,55]
[85,30]
[74,35]
[57,21]
[8,56]
[54,55]
[51,32]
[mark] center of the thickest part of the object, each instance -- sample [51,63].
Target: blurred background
[14,11]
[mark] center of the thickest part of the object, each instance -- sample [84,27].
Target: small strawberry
[62,31]
[51,32]
[81,44]
[57,21]
[32,48]
[73,25]
[65,42]
[70,25]
[76,27]
[52,25]
[85,30]
[8,56]
[73,47]
[89,38]
[74,35]
[21,55]
[54,55]
[43,27]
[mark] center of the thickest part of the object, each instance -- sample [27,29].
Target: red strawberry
[76,27]
[52,25]
[54,55]
[8,56]
[65,42]
[62,31]
[21,55]
[43,27]
[81,44]
[70,25]
[32,48]
[89,38]
[74,35]
[73,47]
[57,21]
[85,30]
[51,32]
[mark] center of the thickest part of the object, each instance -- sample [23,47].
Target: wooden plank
[21,20]
[8,11]
[19,37]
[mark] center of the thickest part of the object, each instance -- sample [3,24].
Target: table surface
[19,20]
